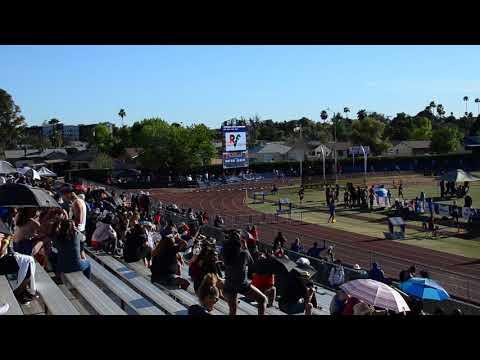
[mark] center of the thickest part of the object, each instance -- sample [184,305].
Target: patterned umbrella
[424,289]
[376,293]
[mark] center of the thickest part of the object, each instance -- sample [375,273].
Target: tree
[103,138]
[465,98]
[432,106]
[422,129]
[102,161]
[122,114]
[324,115]
[346,110]
[12,123]
[440,110]
[477,101]
[362,114]
[445,140]
[370,131]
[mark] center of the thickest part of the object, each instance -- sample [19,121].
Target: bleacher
[117,288]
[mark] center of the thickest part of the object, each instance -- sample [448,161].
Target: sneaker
[4,308]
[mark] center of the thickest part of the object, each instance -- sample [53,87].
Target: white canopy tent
[43,171]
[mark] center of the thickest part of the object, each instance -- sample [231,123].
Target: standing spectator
[314,251]
[468,201]
[252,239]
[263,278]
[331,208]
[237,259]
[297,246]
[400,190]
[67,243]
[337,275]
[301,194]
[371,197]
[78,213]
[389,196]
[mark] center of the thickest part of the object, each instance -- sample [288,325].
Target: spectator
[299,296]
[331,208]
[78,212]
[237,258]
[136,246]
[218,222]
[252,239]
[206,262]
[297,246]
[424,274]
[164,262]
[405,275]
[23,266]
[67,243]
[389,196]
[337,275]
[279,241]
[208,296]
[376,273]
[331,253]
[349,305]
[26,228]
[338,303]
[468,201]
[314,251]
[104,234]
[263,278]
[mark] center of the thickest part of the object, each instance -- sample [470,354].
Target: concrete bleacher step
[129,297]
[34,307]
[55,301]
[7,296]
[95,297]
[143,286]
[180,295]
[81,308]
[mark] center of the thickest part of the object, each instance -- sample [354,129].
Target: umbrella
[18,195]
[6,168]
[459,176]
[43,171]
[376,293]
[33,174]
[424,289]
[382,192]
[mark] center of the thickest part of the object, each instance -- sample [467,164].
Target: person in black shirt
[314,251]
[136,246]
[299,287]
[279,241]
[468,201]
[165,264]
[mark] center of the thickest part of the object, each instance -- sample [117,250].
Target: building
[34,132]
[273,151]
[32,157]
[47,130]
[71,133]
[408,148]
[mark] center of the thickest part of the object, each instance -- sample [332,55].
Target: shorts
[242,289]
[290,309]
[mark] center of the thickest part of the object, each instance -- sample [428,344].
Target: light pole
[299,129]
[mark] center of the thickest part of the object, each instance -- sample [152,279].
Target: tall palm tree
[477,100]
[346,110]
[122,114]
[465,98]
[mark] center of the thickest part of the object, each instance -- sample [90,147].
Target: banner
[443,210]
[232,160]
[466,213]
[235,138]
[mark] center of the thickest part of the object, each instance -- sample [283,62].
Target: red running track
[458,274]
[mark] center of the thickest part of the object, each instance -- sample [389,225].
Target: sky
[210,84]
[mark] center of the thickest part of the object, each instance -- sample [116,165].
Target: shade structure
[376,293]
[44,172]
[425,289]
[459,176]
[6,168]
[18,195]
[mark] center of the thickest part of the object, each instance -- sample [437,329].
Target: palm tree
[122,114]
[440,110]
[465,98]
[346,110]
[361,114]
[477,100]
[324,115]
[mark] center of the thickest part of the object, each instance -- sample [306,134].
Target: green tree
[370,131]
[440,110]
[102,161]
[465,98]
[122,114]
[421,129]
[12,123]
[445,140]
[103,138]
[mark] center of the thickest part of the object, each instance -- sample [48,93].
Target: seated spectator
[376,273]
[314,251]
[104,234]
[67,243]
[299,296]
[424,274]
[218,222]
[165,264]
[208,295]
[237,258]
[297,246]
[337,275]
[136,246]
[26,229]
[206,262]
[263,278]
[338,303]
[349,305]
[279,241]
[23,266]
[252,238]
[407,274]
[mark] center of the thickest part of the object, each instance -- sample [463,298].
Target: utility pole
[335,146]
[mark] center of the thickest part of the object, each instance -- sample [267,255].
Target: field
[375,223]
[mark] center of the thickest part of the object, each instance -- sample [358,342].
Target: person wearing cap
[299,294]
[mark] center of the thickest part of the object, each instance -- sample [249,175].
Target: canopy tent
[459,176]
[6,168]
[43,171]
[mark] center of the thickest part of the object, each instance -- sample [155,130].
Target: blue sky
[210,84]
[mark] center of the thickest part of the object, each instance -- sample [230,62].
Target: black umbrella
[18,195]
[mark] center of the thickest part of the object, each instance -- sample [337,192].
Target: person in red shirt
[349,304]
[263,278]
